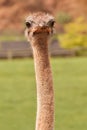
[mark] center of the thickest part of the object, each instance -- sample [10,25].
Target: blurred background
[71,26]
[68,50]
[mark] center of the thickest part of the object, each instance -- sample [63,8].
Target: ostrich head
[39,26]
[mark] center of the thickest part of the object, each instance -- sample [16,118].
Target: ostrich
[39,26]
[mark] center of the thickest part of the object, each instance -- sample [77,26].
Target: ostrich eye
[51,23]
[28,24]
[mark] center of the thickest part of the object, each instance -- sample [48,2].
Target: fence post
[9,54]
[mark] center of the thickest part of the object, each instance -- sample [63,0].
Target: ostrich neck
[45,94]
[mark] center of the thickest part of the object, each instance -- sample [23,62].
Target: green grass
[18,94]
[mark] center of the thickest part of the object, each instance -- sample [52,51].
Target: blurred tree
[63,18]
[76,34]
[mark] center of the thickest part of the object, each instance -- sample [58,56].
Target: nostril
[34,33]
[43,27]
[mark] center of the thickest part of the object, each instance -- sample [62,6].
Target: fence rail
[23,49]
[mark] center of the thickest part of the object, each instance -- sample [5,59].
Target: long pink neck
[45,93]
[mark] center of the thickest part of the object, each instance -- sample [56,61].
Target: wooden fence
[23,49]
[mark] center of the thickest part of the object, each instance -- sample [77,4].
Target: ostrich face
[39,25]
